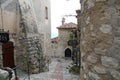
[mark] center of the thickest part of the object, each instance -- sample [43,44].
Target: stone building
[65,31]
[54,47]
[29,24]
[99,25]
[42,10]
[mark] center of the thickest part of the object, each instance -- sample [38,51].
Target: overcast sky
[59,8]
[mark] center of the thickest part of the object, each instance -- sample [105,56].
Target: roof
[54,40]
[68,26]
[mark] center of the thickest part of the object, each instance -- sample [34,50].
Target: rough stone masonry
[100,39]
[26,23]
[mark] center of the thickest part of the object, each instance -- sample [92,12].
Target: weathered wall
[44,27]
[54,47]
[100,39]
[64,37]
[9,16]
[9,21]
[19,17]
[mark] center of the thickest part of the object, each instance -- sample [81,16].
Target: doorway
[8,54]
[68,52]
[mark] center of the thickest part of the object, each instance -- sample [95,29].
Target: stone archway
[67,52]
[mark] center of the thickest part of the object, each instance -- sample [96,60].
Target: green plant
[74,69]
[72,36]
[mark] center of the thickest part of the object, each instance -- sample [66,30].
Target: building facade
[43,15]
[100,40]
[65,31]
[29,26]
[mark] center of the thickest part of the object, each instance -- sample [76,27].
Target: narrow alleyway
[57,71]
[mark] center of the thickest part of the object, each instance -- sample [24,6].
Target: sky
[60,8]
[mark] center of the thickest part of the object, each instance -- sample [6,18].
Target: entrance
[8,54]
[67,52]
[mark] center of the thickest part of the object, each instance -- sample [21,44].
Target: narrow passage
[57,71]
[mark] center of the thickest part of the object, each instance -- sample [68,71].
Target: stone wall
[19,18]
[54,46]
[100,39]
[44,24]
[64,37]
[31,39]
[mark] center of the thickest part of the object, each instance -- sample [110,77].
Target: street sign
[4,37]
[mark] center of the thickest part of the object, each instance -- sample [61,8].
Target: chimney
[63,21]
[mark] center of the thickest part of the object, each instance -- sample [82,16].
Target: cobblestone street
[57,71]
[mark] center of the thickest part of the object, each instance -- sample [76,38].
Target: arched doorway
[67,52]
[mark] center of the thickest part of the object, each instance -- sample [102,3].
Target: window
[46,13]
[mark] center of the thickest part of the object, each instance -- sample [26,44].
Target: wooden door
[8,54]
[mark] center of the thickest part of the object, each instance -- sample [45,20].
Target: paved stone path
[57,74]
[57,71]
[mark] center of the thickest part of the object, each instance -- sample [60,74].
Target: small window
[46,13]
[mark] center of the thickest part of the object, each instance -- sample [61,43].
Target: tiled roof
[54,39]
[68,26]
